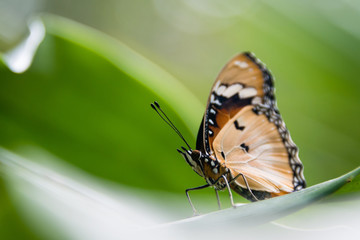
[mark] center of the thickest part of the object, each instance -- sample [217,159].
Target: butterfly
[243,143]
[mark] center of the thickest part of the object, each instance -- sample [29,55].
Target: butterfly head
[193,158]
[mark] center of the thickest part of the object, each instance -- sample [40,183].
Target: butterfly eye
[196,154]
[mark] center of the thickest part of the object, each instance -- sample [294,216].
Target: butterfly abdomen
[260,195]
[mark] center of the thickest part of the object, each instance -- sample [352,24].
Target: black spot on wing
[245,147]
[238,127]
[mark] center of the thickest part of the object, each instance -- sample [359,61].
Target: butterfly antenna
[166,119]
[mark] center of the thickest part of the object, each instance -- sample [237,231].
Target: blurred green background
[88,103]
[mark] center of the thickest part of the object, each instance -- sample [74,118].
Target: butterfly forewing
[240,83]
[243,130]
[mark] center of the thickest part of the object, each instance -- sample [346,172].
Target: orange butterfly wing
[242,128]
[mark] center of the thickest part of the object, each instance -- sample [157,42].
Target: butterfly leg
[228,187]
[247,185]
[188,196]
[218,199]
[230,194]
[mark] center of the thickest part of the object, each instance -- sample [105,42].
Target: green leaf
[12,224]
[264,211]
[132,63]
[86,99]
[351,187]
[70,203]
[74,205]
